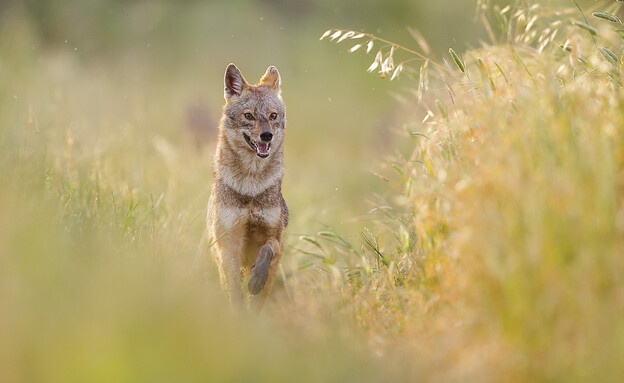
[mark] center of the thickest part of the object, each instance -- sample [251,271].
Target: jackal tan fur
[247,215]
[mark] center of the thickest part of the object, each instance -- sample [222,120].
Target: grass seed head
[607,16]
[457,60]
[325,34]
[586,27]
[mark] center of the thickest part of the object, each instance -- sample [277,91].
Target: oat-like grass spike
[586,27]
[327,32]
[457,60]
[396,72]
[384,61]
[346,36]
[355,48]
[607,16]
[335,35]
[609,55]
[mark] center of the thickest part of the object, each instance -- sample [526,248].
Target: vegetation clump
[501,252]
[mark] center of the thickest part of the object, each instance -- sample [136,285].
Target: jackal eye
[272,116]
[249,116]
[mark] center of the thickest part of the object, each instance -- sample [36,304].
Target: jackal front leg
[260,270]
[266,273]
[228,258]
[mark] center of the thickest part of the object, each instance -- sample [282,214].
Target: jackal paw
[260,270]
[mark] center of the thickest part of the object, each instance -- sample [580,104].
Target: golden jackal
[247,215]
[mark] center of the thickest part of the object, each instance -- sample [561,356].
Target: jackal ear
[234,82]
[271,78]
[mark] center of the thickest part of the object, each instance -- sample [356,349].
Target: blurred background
[157,67]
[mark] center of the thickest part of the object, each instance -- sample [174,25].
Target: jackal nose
[266,136]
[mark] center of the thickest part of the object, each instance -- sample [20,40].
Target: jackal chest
[264,210]
[252,215]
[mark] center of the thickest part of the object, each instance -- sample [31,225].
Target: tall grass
[498,258]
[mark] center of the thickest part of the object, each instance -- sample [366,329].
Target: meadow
[463,221]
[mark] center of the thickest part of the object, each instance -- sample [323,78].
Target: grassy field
[463,222]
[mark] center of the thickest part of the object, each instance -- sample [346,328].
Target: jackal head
[254,115]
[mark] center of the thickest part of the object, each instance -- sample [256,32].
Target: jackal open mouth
[260,148]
